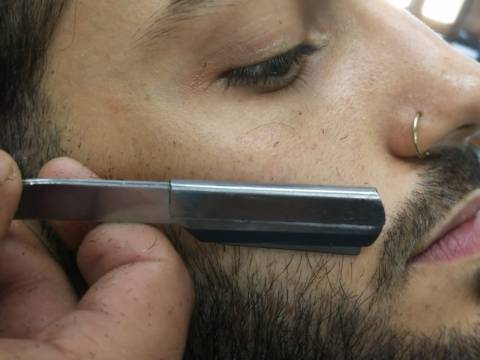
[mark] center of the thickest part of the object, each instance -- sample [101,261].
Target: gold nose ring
[417,119]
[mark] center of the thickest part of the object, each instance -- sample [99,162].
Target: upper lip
[459,214]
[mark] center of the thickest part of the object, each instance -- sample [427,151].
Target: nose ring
[417,119]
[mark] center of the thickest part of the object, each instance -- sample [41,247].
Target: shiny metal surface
[298,205]
[95,200]
[295,217]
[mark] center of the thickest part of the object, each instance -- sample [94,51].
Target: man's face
[285,91]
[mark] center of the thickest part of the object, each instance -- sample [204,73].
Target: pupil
[279,67]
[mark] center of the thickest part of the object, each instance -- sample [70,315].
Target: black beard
[260,318]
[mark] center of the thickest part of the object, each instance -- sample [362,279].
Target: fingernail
[6,168]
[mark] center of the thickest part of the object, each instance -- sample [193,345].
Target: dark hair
[26,28]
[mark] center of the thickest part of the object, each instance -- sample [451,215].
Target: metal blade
[296,217]
[95,200]
[340,212]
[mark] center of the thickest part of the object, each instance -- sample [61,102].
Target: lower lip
[461,242]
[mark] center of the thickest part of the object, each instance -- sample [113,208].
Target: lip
[461,213]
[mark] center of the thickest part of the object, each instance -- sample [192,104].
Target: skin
[140,283]
[157,111]
[153,110]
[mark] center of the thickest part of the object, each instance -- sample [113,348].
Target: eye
[271,75]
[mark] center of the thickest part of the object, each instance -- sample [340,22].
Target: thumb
[140,301]
[10,191]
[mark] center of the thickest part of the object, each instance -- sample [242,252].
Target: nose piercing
[417,119]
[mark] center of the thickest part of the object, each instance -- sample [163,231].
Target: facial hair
[254,317]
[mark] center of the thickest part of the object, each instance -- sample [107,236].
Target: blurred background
[458,21]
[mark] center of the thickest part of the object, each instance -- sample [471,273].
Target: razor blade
[339,220]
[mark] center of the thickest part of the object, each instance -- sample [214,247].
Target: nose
[442,85]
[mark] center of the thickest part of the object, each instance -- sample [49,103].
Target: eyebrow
[176,14]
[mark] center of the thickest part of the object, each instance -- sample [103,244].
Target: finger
[34,292]
[10,191]
[140,302]
[28,350]
[71,232]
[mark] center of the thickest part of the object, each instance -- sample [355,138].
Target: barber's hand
[140,298]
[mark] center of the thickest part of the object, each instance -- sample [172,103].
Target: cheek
[111,136]
[240,145]
[265,152]
[116,106]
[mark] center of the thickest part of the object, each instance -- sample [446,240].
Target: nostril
[460,137]
[471,127]
[469,131]
[442,130]
[475,140]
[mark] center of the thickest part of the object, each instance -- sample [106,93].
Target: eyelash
[271,75]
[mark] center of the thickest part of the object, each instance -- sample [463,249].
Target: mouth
[458,237]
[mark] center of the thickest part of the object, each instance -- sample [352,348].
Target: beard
[252,316]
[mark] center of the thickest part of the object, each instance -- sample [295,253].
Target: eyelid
[256,75]
[302,49]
